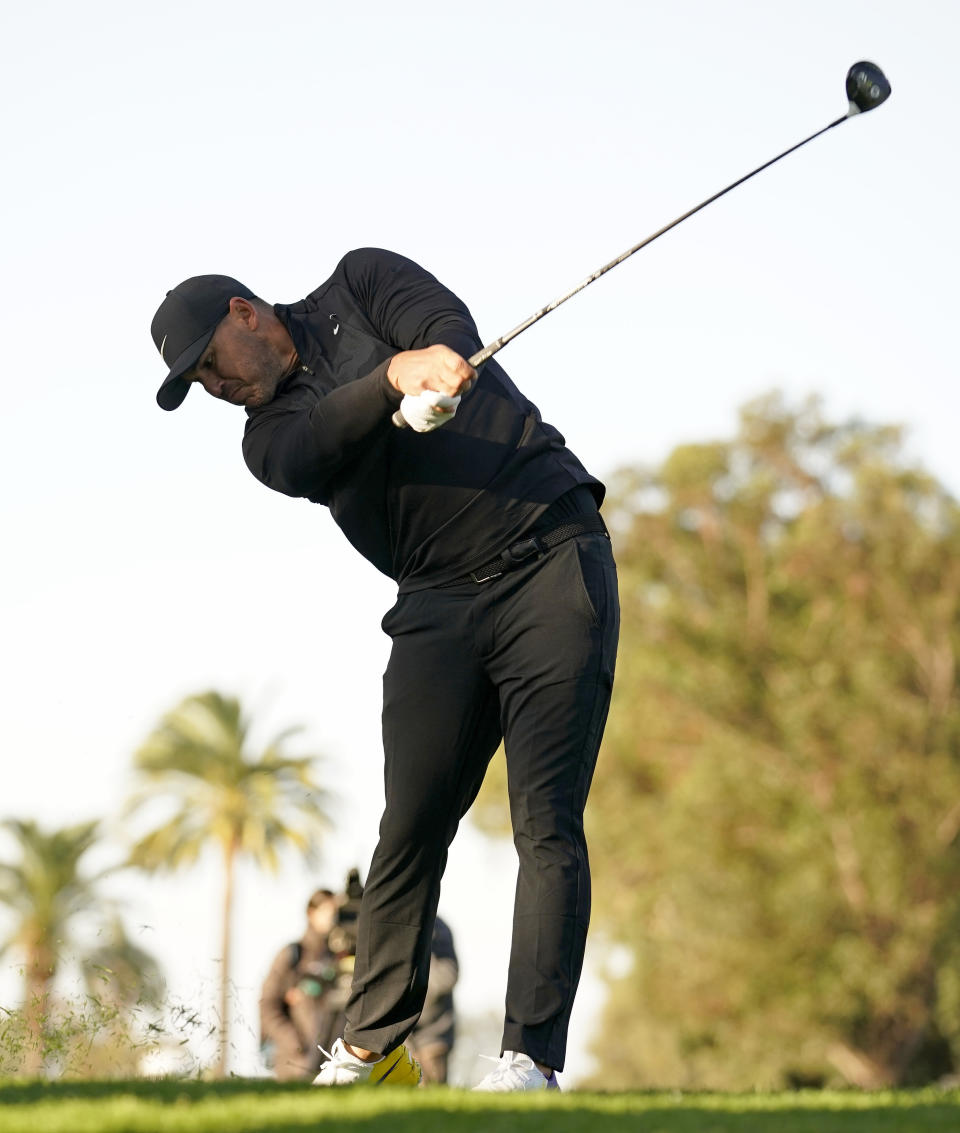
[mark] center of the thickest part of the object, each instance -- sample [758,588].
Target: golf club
[866,86]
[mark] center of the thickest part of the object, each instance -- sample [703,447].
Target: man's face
[239,365]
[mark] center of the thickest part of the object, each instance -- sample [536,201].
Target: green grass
[250,1106]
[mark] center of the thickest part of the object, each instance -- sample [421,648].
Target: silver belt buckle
[475,576]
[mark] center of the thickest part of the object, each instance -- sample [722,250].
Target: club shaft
[488,351]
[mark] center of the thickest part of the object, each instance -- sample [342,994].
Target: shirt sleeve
[298,449]
[407,306]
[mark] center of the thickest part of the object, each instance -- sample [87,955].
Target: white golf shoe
[397,1067]
[513,1072]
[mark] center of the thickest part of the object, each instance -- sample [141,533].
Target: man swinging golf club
[506,619]
[505,624]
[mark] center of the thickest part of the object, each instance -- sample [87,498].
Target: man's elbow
[307,480]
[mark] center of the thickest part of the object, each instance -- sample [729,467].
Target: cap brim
[175,388]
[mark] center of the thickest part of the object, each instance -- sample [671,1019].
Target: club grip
[475,360]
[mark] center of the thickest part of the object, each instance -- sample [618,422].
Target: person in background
[293,1002]
[431,1040]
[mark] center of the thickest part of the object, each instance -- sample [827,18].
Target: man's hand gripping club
[432,381]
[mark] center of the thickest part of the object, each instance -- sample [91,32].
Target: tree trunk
[36,1006]
[229,861]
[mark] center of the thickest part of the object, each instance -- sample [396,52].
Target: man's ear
[244,311]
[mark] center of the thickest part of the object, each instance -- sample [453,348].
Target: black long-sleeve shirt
[424,508]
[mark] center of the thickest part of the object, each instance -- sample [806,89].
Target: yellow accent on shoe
[398,1067]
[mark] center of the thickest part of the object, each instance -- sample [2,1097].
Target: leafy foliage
[197,760]
[53,900]
[775,817]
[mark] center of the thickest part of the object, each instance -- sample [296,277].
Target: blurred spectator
[306,990]
[432,1038]
[294,1002]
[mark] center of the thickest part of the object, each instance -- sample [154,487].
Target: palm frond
[197,758]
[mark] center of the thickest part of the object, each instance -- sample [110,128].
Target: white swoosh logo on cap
[162,345]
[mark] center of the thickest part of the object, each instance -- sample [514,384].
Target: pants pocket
[597,578]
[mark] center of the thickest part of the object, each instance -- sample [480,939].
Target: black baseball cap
[184,324]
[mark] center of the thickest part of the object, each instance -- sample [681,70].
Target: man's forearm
[296,452]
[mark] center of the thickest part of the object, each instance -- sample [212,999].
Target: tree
[776,812]
[53,900]
[219,793]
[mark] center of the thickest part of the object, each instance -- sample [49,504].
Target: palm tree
[50,897]
[224,795]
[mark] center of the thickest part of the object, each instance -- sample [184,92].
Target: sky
[510,148]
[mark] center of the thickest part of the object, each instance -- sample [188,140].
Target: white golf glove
[422,413]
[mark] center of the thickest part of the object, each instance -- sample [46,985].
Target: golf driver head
[867,87]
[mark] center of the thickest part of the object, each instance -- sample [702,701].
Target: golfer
[505,624]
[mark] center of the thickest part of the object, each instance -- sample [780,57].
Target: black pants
[528,657]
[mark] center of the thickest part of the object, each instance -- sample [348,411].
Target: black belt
[533,546]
